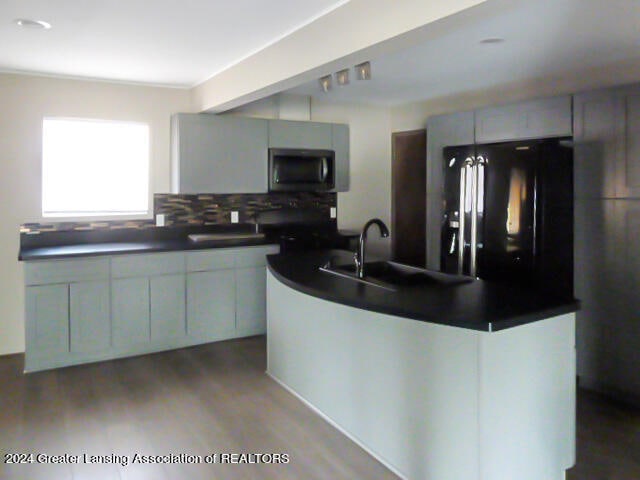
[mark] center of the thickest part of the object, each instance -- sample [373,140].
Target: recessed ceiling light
[491,40]
[35,24]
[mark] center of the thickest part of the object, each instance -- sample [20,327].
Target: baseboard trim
[612,392]
[327,419]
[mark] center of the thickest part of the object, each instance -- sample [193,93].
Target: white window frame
[98,216]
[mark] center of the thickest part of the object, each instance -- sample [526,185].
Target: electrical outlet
[333,213]
[160,219]
[235,217]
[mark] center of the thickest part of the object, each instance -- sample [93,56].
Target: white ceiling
[159,42]
[181,44]
[544,39]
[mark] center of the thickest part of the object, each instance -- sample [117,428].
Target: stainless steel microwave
[301,170]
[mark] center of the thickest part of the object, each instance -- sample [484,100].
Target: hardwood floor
[216,399]
[608,440]
[211,399]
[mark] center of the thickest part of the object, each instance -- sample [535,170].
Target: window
[94,168]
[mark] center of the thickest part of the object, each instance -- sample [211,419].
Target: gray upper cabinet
[218,154]
[547,117]
[595,149]
[340,139]
[607,143]
[627,105]
[442,131]
[292,134]
[228,154]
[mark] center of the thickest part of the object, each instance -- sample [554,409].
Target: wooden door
[408,197]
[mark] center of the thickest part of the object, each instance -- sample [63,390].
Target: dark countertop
[57,245]
[121,248]
[477,305]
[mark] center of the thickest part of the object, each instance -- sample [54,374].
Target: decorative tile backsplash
[202,209]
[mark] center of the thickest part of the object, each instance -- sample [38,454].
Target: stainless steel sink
[212,237]
[392,275]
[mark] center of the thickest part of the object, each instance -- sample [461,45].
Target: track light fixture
[362,72]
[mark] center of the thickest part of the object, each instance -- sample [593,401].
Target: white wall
[25,101]
[369,192]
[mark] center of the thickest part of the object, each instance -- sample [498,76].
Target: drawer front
[65,271]
[215,259]
[254,256]
[142,265]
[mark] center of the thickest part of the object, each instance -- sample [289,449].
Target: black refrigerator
[508,213]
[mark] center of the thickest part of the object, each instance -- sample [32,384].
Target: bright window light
[94,168]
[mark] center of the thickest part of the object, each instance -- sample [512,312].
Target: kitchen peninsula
[470,380]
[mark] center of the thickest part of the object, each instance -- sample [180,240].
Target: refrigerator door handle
[473,270]
[477,195]
[466,166]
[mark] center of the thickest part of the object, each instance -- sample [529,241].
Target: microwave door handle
[325,169]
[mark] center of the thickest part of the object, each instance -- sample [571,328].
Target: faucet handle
[357,260]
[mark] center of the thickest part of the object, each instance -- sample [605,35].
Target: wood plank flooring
[216,399]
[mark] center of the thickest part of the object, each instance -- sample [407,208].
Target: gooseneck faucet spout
[359,256]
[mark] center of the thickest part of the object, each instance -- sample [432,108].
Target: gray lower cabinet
[68,317]
[47,327]
[167,307]
[226,292]
[130,311]
[88,309]
[251,299]
[148,298]
[89,317]
[210,304]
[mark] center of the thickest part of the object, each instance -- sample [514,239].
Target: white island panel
[389,383]
[430,401]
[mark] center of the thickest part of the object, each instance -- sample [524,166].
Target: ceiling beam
[357,31]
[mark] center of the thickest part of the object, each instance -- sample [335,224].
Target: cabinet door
[167,307]
[211,304]
[595,145]
[293,134]
[546,117]
[219,154]
[442,131]
[623,302]
[340,139]
[89,318]
[47,322]
[130,311]
[251,300]
[628,133]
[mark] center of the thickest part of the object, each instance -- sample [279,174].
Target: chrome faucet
[359,256]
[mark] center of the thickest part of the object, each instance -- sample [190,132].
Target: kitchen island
[464,381]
